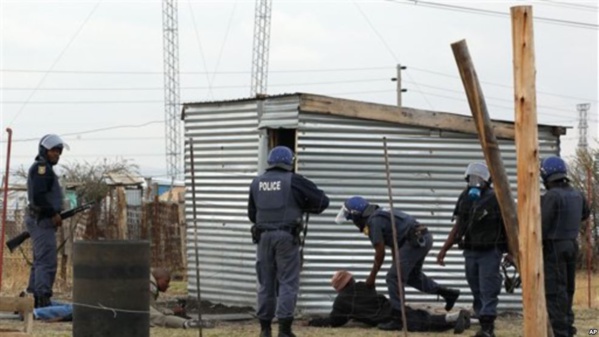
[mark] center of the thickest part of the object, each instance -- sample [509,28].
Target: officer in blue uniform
[43,217]
[562,210]
[414,242]
[277,201]
[480,232]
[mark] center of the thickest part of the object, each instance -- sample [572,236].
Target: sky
[92,71]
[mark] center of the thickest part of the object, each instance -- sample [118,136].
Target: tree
[583,164]
[88,178]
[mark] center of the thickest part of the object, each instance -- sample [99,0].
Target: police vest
[403,223]
[275,204]
[481,224]
[54,195]
[566,223]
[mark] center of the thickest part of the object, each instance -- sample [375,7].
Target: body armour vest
[403,223]
[275,204]
[568,216]
[481,224]
[54,196]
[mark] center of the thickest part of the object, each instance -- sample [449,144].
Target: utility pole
[261,47]
[171,88]
[527,155]
[398,81]
[583,125]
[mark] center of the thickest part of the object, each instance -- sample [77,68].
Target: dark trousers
[411,259]
[484,279]
[559,260]
[43,270]
[278,269]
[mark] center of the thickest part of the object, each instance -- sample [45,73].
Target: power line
[388,48]
[570,5]
[202,55]
[491,97]
[222,46]
[500,85]
[84,102]
[39,84]
[228,72]
[196,87]
[472,10]
[114,127]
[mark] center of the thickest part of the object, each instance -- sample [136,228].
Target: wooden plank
[392,114]
[527,156]
[489,144]
[24,304]
[28,317]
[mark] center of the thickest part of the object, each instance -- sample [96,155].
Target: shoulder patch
[41,169]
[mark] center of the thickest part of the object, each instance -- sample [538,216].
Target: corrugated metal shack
[338,144]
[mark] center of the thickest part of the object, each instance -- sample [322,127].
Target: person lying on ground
[160,279]
[357,301]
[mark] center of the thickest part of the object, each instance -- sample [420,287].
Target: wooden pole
[5,202]
[489,144]
[195,234]
[589,242]
[395,244]
[527,155]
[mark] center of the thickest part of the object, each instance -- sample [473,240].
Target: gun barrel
[15,242]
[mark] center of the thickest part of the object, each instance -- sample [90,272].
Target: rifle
[15,242]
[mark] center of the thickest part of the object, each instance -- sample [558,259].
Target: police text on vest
[270,186]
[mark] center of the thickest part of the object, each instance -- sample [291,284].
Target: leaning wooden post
[527,155]
[489,144]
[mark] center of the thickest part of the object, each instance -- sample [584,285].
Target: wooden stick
[588,223]
[404,324]
[489,144]
[527,155]
[195,234]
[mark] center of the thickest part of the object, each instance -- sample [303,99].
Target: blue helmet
[553,168]
[352,209]
[280,156]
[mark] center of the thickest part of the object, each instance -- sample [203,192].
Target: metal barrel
[111,288]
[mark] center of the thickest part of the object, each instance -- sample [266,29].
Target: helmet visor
[343,215]
[475,181]
[51,141]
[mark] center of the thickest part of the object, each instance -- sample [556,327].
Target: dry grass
[16,274]
[581,294]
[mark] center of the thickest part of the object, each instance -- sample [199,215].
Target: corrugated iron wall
[344,157]
[225,143]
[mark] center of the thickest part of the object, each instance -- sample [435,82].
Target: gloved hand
[196,323]
[320,322]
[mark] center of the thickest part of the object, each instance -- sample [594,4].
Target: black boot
[266,330]
[463,322]
[450,296]
[285,327]
[487,326]
[394,324]
[42,301]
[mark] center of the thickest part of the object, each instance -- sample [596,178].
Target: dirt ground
[510,326]
[507,325]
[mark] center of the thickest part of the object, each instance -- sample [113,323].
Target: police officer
[562,210]
[43,217]
[277,201]
[479,231]
[414,242]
